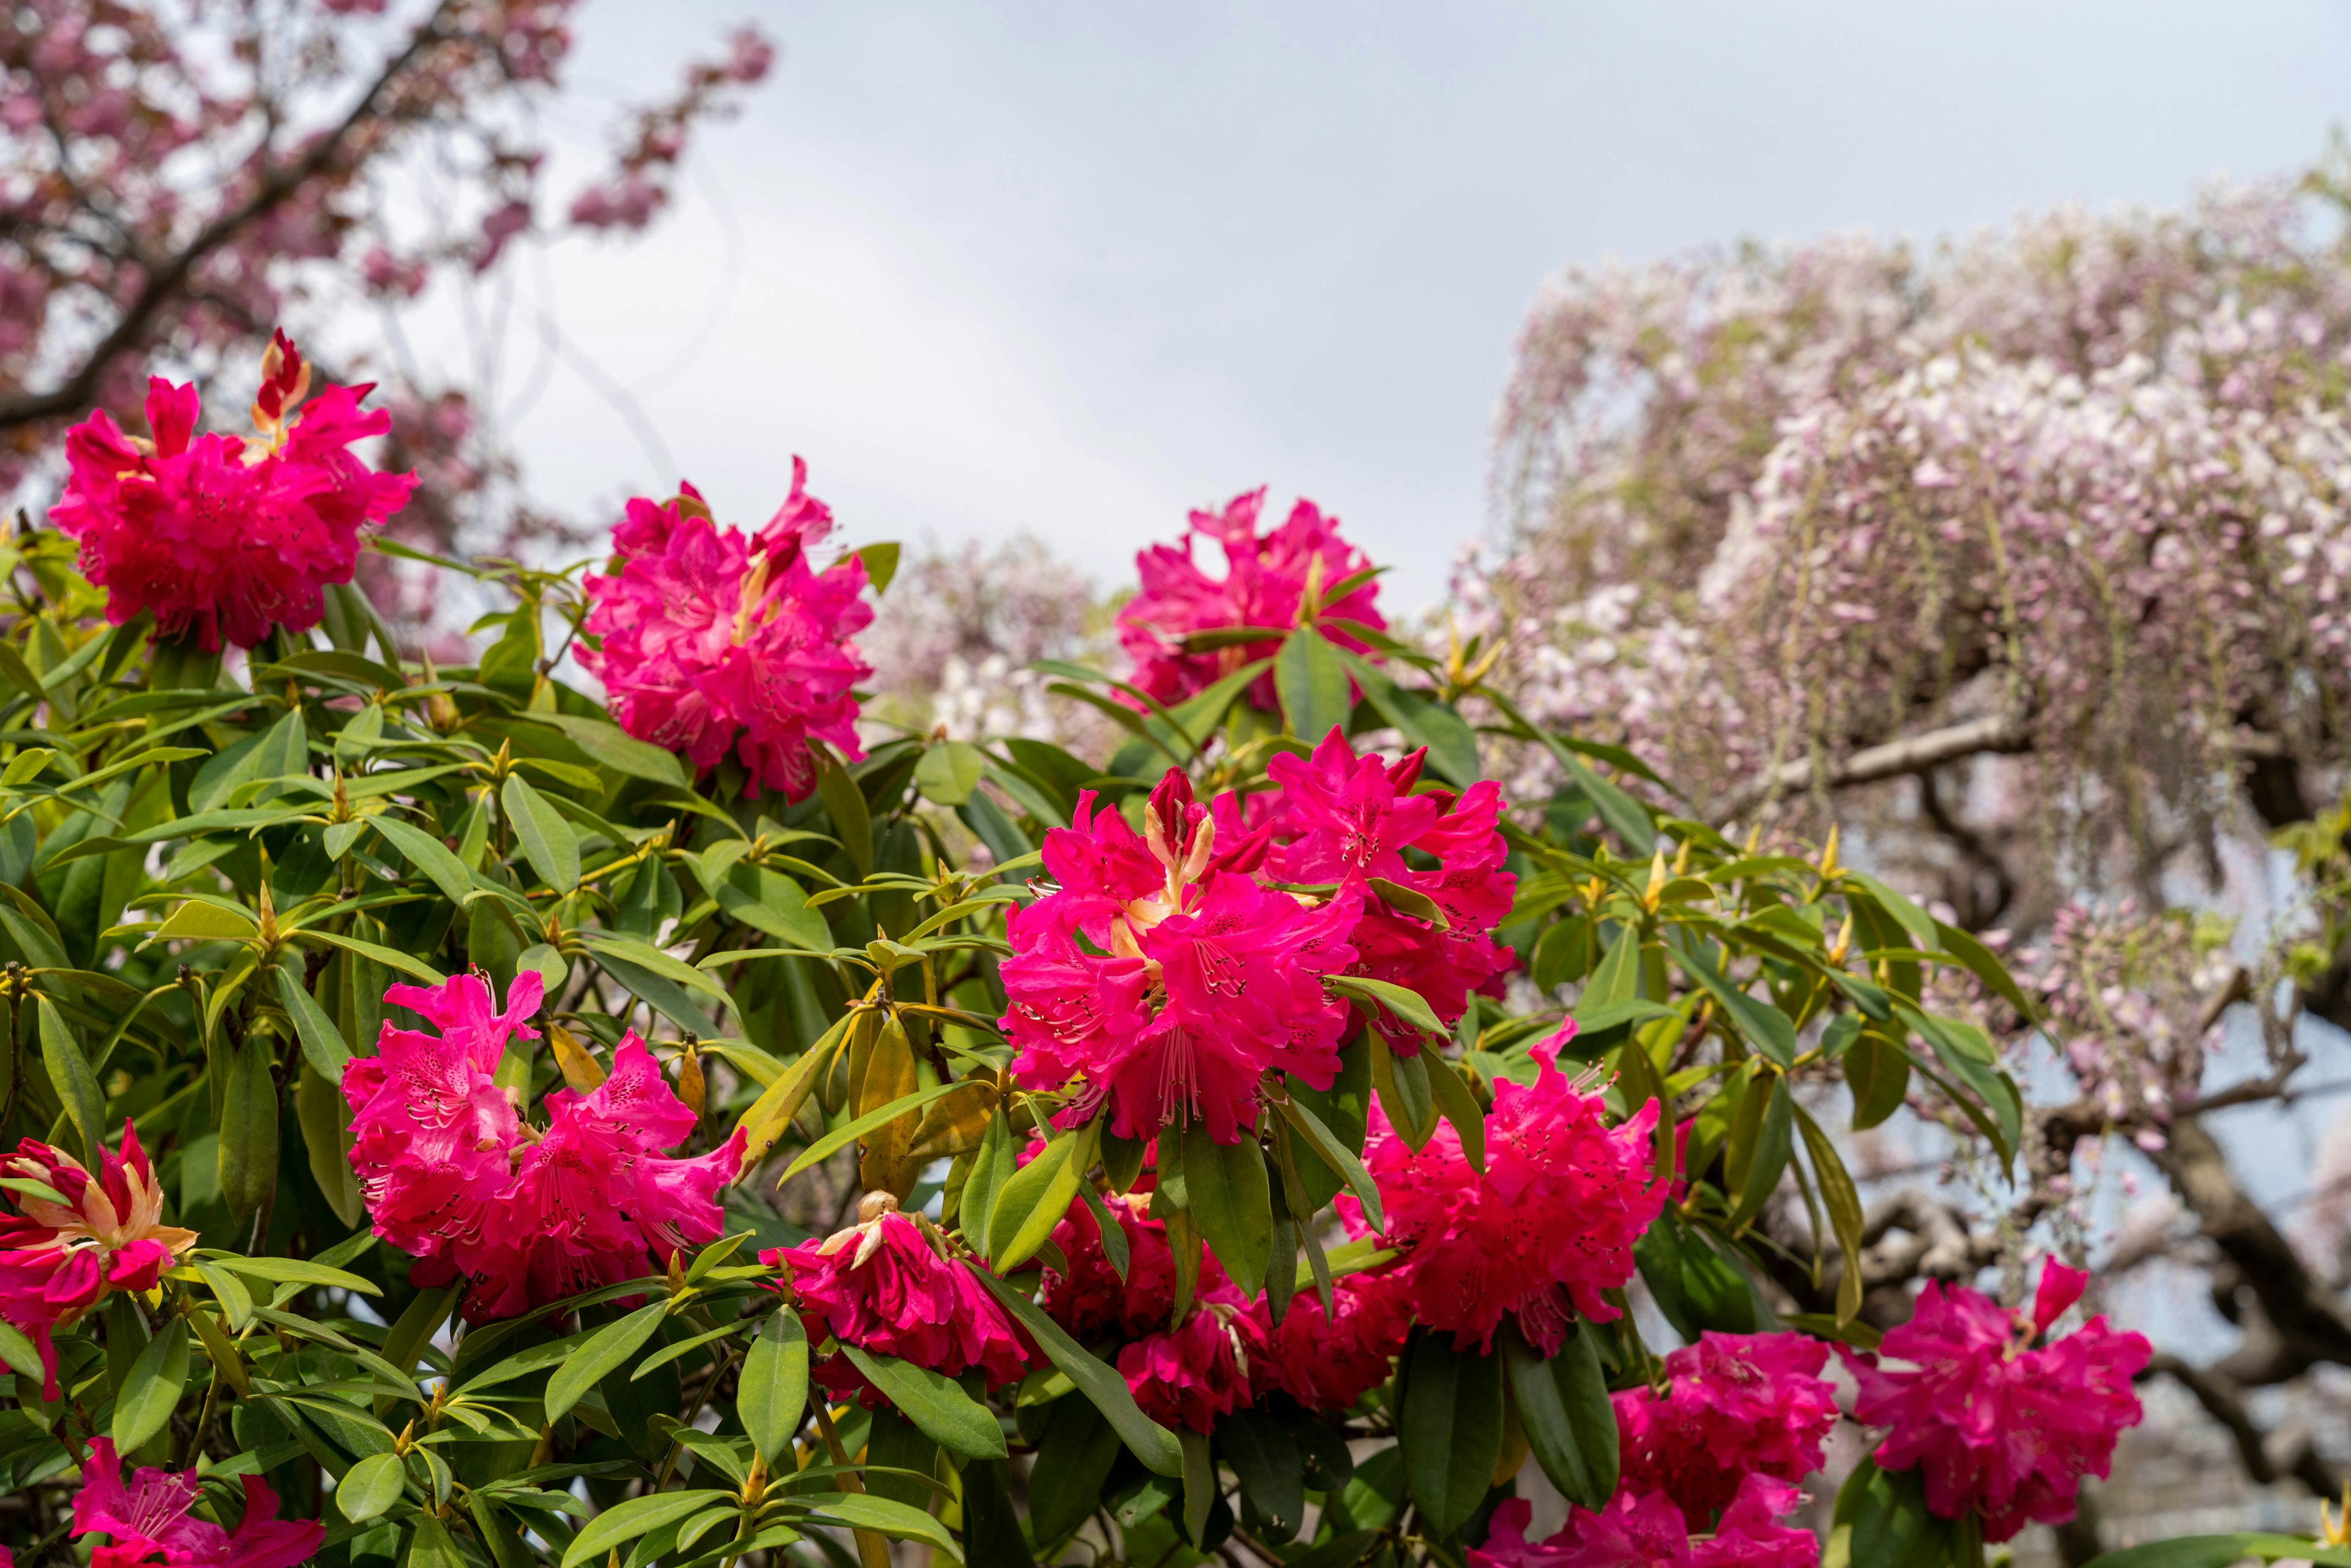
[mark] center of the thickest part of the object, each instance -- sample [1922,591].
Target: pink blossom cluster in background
[528,1215]
[1548,1226]
[154,1517]
[1995,1417]
[222,538]
[721,646]
[57,1261]
[885,1285]
[1267,580]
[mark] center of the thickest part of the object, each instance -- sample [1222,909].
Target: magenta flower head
[153,1517]
[1162,971]
[1340,818]
[1644,1529]
[885,1285]
[1329,1360]
[66,1249]
[455,1177]
[715,644]
[1992,1423]
[1199,1370]
[1548,1227]
[221,536]
[1268,582]
[1735,1403]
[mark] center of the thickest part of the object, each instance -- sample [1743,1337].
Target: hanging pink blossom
[1328,1362]
[1341,818]
[714,644]
[58,1259]
[1266,583]
[1167,975]
[1548,1227]
[1992,1422]
[1644,1530]
[1190,1374]
[454,1176]
[1734,1404]
[883,1286]
[221,536]
[153,1519]
[1092,1298]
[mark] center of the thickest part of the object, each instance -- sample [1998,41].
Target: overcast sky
[1072,268]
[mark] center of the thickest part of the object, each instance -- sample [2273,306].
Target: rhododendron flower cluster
[1168,974]
[885,1286]
[154,1517]
[715,644]
[1548,1227]
[1735,1404]
[61,1255]
[1268,583]
[1642,1530]
[1340,818]
[1992,1422]
[220,537]
[1329,1360]
[455,1177]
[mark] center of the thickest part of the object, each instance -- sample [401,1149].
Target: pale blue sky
[1074,267]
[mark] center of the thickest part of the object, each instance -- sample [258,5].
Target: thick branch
[2223,1401]
[169,280]
[1910,754]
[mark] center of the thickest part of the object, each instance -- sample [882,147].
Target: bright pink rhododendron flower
[1192,1374]
[1341,818]
[1266,583]
[58,1259]
[1167,975]
[1990,1422]
[1644,1529]
[712,643]
[1327,1362]
[1092,1298]
[221,536]
[454,1177]
[883,1286]
[1737,1403]
[152,1519]
[1548,1227]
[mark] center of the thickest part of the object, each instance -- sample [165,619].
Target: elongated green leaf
[1337,1155]
[19,1351]
[625,1521]
[369,1487]
[1458,1105]
[1406,1005]
[248,1135]
[429,855]
[1564,1409]
[298,1270]
[390,957]
[152,1392]
[77,1086]
[617,749]
[864,1511]
[1199,1482]
[1312,686]
[2220,1551]
[548,841]
[1152,1443]
[1452,744]
[1266,1461]
[1232,1201]
[937,1404]
[1034,1201]
[1073,1460]
[1405,1094]
[1761,1025]
[604,1352]
[772,1394]
[853,820]
[842,1136]
[322,1042]
[197,921]
[1844,1203]
[1451,1428]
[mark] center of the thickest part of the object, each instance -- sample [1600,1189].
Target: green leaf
[1457,1105]
[881,563]
[151,1391]
[429,855]
[2220,1551]
[1199,1482]
[1405,1094]
[1406,1005]
[197,921]
[248,1134]
[842,1136]
[390,957]
[19,1351]
[77,1086]
[949,771]
[1272,1473]
[1763,1026]
[852,821]
[1337,1155]
[298,1270]
[771,1396]
[1073,1460]
[617,749]
[1035,1200]
[863,1511]
[1756,1155]
[991,1166]
[1452,744]
[934,1402]
[1312,686]
[1152,1443]
[1844,1201]
[548,841]
[625,1521]
[1564,1409]
[370,1486]
[1233,1201]
[322,1042]
[605,1352]
[1451,1430]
